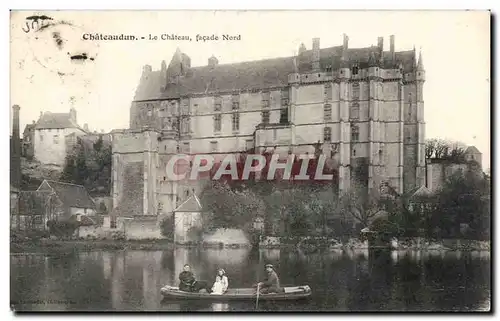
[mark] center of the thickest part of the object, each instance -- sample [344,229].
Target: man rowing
[272,282]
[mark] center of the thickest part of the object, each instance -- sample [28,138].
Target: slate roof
[192,204]
[257,74]
[55,120]
[28,128]
[72,195]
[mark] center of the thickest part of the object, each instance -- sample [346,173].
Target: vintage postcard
[250,161]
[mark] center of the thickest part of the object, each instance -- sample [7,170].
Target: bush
[167,227]
[63,229]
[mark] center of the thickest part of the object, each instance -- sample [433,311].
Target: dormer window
[355,70]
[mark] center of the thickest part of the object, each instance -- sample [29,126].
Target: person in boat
[188,282]
[221,282]
[272,283]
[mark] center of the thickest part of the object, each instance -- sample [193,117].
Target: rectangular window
[328,92]
[248,144]
[355,91]
[285,97]
[327,134]
[213,147]
[265,103]
[327,112]
[217,103]
[284,115]
[56,139]
[354,111]
[354,133]
[236,121]
[265,117]
[185,125]
[186,148]
[217,123]
[355,70]
[235,102]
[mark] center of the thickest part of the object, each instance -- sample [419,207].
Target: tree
[90,167]
[464,199]
[362,207]
[444,149]
[230,208]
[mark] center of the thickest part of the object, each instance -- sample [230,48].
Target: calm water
[354,281]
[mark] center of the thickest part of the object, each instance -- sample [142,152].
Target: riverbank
[306,244]
[64,246]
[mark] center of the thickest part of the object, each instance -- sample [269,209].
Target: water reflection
[341,280]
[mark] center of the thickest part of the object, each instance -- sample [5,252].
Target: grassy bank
[59,246]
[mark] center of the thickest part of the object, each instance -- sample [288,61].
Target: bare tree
[444,149]
[430,147]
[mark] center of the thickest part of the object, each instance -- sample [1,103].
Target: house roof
[28,128]
[421,191]
[472,150]
[192,204]
[256,74]
[72,195]
[55,120]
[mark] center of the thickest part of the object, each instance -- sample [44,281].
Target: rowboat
[239,294]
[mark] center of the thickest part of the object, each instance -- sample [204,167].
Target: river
[341,281]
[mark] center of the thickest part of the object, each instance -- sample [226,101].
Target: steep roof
[192,204]
[472,150]
[55,120]
[28,128]
[257,74]
[71,195]
[421,191]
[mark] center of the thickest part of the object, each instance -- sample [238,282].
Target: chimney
[393,54]
[15,166]
[380,43]
[315,56]
[72,114]
[212,61]
[86,127]
[302,48]
[344,63]
[41,114]
[146,69]
[345,45]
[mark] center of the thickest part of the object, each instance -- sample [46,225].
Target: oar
[257,300]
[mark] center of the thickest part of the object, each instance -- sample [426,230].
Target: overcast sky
[455,47]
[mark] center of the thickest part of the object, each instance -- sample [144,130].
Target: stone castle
[364,106]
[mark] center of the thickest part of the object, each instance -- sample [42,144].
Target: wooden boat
[239,294]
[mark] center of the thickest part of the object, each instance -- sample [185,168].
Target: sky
[455,47]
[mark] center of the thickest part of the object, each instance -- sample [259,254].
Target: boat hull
[239,294]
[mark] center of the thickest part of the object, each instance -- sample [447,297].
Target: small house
[187,221]
[70,199]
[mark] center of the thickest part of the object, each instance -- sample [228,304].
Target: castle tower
[134,171]
[420,80]
[374,137]
[344,128]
